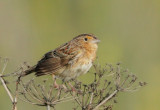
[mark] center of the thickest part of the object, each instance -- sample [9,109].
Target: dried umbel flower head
[43,93]
[108,81]
[100,93]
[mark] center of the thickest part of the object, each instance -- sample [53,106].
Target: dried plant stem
[6,88]
[48,107]
[91,99]
[14,107]
[9,93]
[105,100]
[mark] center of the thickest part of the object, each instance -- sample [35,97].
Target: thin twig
[4,66]
[7,89]
[13,100]
[105,100]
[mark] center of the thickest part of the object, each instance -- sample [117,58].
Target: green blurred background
[129,31]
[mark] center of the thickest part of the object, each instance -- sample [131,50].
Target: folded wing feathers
[55,60]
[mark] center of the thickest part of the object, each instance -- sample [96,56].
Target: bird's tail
[29,71]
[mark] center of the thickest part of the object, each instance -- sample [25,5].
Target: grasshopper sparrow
[70,60]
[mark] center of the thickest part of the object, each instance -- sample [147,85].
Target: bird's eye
[86,39]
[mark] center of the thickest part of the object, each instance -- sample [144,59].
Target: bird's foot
[73,88]
[56,86]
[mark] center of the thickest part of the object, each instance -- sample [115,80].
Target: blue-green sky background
[129,31]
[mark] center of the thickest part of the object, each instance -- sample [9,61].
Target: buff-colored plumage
[69,60]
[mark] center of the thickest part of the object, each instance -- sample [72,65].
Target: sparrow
[69,60]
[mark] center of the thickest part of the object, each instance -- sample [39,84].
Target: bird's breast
[76,69]
[82,67]
[79,65]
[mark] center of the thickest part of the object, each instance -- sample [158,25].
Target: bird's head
[87,41]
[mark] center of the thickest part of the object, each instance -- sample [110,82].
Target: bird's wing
[56,60]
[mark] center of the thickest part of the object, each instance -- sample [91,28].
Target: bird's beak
[96,41]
